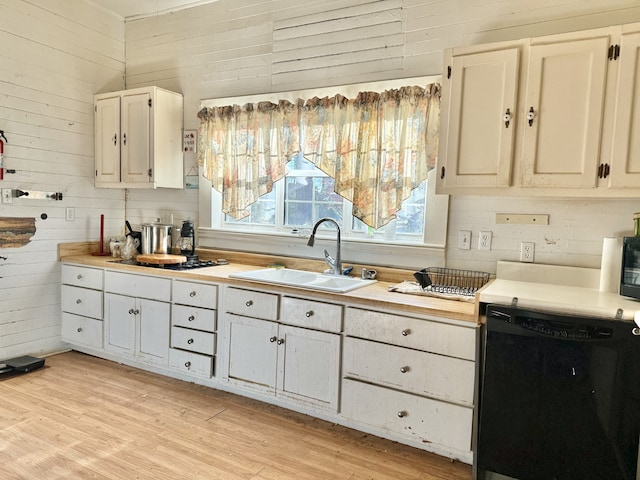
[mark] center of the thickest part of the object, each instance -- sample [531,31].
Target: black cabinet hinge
[614,52]
[150,171]
[149,103]
[449,72]
[442,173]
[604,170]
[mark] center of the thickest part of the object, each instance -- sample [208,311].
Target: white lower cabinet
[136,326]
[81,301]
[193,328]
[287,361]
[410,378]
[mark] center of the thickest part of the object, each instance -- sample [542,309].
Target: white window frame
[392,253]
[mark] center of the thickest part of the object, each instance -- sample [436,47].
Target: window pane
[300,163]
[308,199]
[263,212]
[411,215]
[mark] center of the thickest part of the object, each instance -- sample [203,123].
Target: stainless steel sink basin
[304,279]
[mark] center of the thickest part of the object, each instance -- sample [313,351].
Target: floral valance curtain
[377,147]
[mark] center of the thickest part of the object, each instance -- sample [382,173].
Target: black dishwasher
[559,397]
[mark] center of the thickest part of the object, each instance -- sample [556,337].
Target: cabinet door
[625,169]
[478,147]
[564,94]
[309,365]
[154,318]
[136,153]
[119,323]
[107,138]
[253,351]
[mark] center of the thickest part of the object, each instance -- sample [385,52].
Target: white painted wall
[54,55]
[242,47]
[57,53]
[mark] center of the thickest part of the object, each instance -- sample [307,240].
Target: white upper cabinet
[477,128]
[545,115]
[625,151]
[563,109]
[138,139]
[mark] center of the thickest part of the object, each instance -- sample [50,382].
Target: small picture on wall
[191,181]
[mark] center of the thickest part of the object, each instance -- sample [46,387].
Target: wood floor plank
[82,417]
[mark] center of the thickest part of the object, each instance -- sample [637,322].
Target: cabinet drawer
[427,335]
[79,330]
[82,301]
[438,376]
[422,419]
[139,286]
[82,276]
[192,363]
[196,294]
[191,317]
[193,340]
[310,314]
[252,304]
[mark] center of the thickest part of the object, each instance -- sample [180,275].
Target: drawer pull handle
[309,314]
[406,332]
[193,293]
[79,276]
[402,414]
[249,303]
[404,369]
[273,339]
[78,301]
[79,329]
[280,341]
[187,364]
[190,341]
[191,318]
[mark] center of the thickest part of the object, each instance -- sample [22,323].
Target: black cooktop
[190,265]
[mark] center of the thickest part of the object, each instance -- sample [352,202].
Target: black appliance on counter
[630,268]
[559,397]
[188,265]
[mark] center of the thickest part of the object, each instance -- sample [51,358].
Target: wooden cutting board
[160,258]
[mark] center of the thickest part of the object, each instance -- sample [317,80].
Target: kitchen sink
[304,279]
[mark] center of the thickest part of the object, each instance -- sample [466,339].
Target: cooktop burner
[191,265]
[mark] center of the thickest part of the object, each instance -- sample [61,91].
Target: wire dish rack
[451,280]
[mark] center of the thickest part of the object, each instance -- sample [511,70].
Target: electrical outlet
[464,239]
[70,214]
[484,242]
[527,251]
[7,196]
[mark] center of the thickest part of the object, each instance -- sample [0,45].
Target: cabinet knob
[115,139]
[79,329]
[280,341]
[192,294]
[124,138]
[406,332]
[190,341]
[249,303]
[79,276]
[530,116]
[404,369]
[273,339]
[402,414]
[187,364]
[131,311]
[507,118]
[309,314]
[136,311]
[78,301]
[191,318]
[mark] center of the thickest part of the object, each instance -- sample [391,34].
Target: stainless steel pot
[156,238]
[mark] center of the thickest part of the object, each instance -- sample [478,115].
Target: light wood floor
[81,417]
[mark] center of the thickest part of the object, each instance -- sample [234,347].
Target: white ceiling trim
[133,9]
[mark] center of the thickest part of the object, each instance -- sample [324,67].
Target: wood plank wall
[55,54]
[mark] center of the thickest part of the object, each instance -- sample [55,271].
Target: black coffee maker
[187,241]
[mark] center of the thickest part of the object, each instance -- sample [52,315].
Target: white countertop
[581,299]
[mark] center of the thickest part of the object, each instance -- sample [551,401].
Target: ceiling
[144,8]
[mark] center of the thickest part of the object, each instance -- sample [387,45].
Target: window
[306,194]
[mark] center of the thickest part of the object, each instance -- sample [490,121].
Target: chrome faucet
[334,263]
